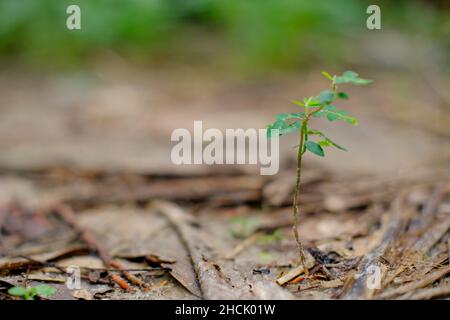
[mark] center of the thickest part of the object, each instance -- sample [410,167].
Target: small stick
[67,214]
[121,282]
[130,277]
[428,293]
[426,280]
[293,273]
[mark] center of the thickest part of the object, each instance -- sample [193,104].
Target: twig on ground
[67,214]
[428,293]
[394,228]
[426,280]
[293,273]
[421,270]
[432,235]
[121,282]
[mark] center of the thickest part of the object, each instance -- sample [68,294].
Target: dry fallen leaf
[83,294]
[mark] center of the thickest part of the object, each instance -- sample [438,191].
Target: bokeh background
[109,95]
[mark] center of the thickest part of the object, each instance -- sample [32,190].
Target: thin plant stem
[296,195]
[303,133]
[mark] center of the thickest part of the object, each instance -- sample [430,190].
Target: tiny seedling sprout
[314,107]
[42,290]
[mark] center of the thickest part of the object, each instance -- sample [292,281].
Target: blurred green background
[110,94]
[247,36]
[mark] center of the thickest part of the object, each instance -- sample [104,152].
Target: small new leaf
[314,148]
[281,117]
[327,75]
[335,115]
[294,127]
[270,131]
[298,103]
[350,74]
[326,97]
[334,144]
[17,291]
[343,95]
[282,127]
[44,290]
[322,112]
[327,141]
[351,77]
[313,103]
[340,115]
[285,116]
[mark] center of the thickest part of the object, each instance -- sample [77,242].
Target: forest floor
[86,180]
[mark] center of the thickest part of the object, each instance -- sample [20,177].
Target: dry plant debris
[191,237]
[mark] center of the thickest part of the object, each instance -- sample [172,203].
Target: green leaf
[17,291]
[327,141]
[322,112]
[327,75]
[291,128]
[332,117]
[44,290]
[269,131]
[351,77]
[334,144]
[286,116]
[283,128]
[343,95]
[314,148]
[336,115]
[362,82]
[350,74]
[312,102]
[31,293]
[314,131]
[297,115]
[326,97]
[324,143]
[281,117]
[340,115]
[278,125]
[298,103]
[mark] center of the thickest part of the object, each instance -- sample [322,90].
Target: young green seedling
[42,290]
[314,107]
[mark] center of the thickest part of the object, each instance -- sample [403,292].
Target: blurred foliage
[250,34]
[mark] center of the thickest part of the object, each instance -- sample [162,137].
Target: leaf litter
[146,242]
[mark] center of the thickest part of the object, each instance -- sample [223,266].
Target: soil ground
[86,180]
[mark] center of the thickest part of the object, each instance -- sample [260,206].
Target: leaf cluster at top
[320,106]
